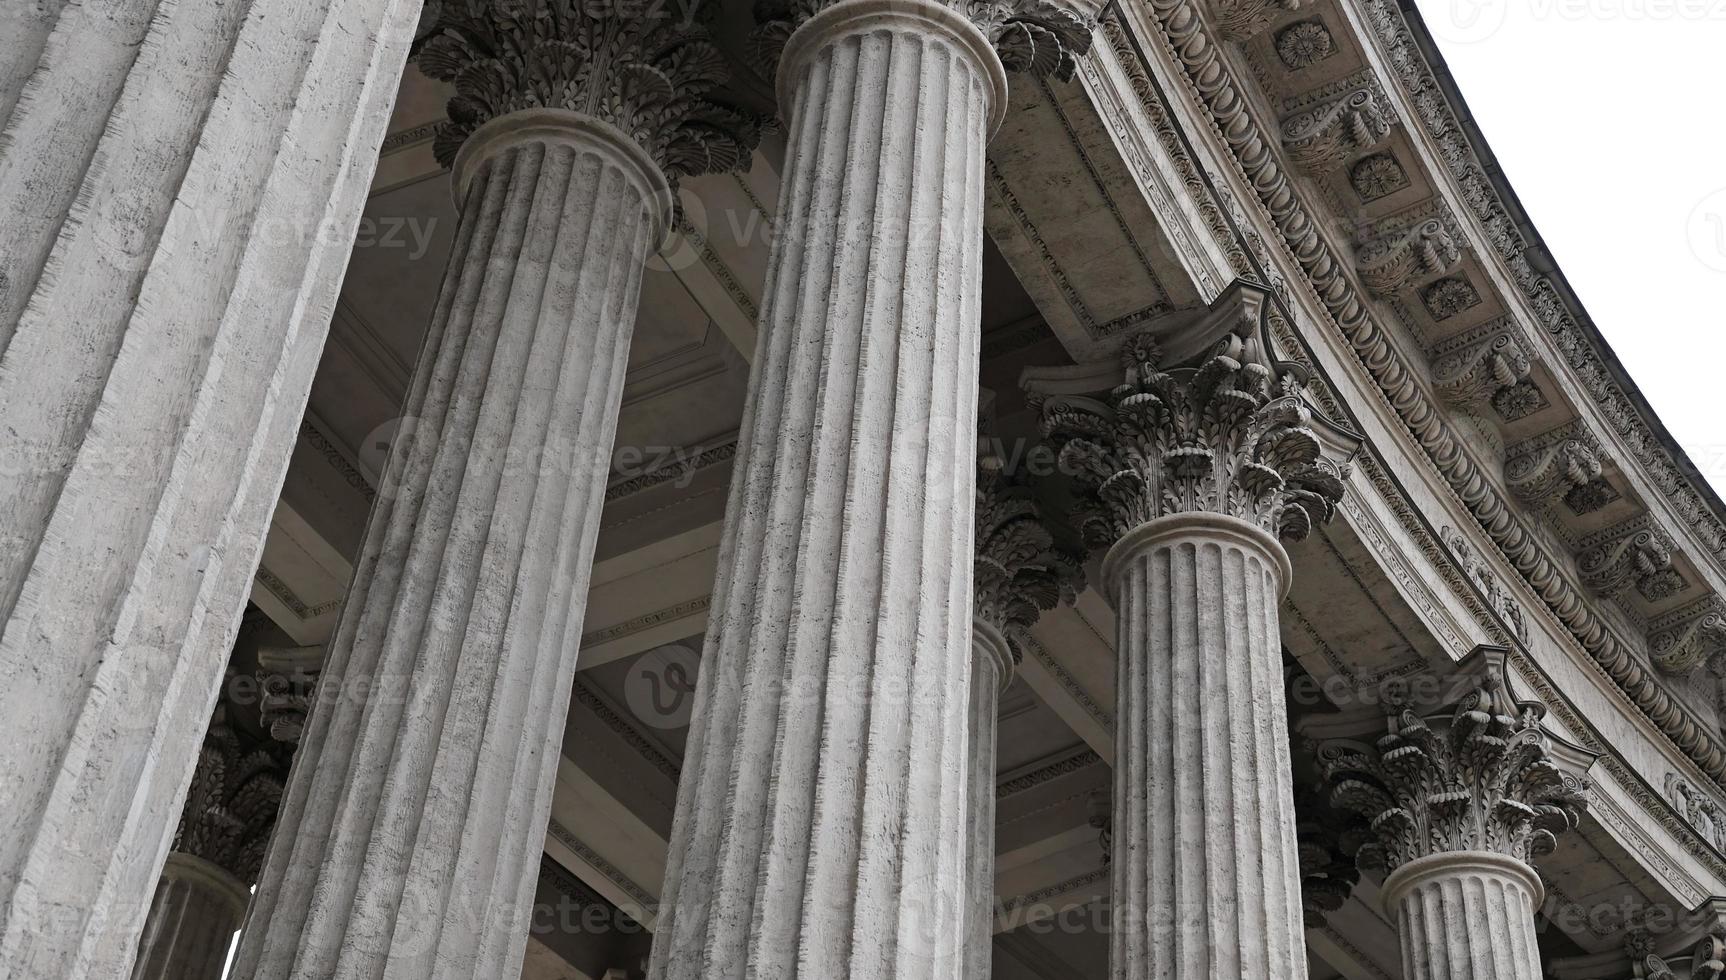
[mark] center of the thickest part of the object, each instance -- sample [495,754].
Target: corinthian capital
[1019,571]
[636,67]
[231,805]
[1040,37]
[1479,776]
[1199,418]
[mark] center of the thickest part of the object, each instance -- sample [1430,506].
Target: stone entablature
[1223,91]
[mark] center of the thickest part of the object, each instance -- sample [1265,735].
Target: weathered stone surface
[422,790]
[1466,915]
[1206,872]
[180,186]
[991,672]
[1192,465]
[820,829]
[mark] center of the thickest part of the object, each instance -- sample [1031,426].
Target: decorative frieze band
[1221,93]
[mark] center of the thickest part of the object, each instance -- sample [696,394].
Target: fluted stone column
[1190,468]
[196,911]
[1017,575]
[1460,802]
[418,807]
[205,885]
[820,829]
[180,184]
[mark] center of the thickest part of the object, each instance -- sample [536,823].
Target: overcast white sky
[1609,116]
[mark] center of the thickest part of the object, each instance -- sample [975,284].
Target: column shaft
[991,662]
[1206,875]
[1466,915]
[180,184]
[419,800]
[197,908]
[820,829]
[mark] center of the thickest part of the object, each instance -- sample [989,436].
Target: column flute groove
[1018,574]
[181,185]
[1190,465]
[820,819]
[418,805]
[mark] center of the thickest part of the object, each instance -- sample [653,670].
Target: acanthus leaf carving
[1328,843]
[1319,138]
[1240,20]
[1216,425]
[1478,776]
[1634,553]
[1565,464]
[1687,638]
[231,804]
[1039,37]
[1019,571]
[655,78]
[1401,258]
[1477,367]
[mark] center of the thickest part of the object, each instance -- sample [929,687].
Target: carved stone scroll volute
[1320,138]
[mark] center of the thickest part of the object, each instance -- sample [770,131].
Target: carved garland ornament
[1478,778]
[1229,435]
[1039,37]
[1217,89]
[653,77]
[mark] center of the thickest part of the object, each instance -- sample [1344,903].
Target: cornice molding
[1218,92]
[1561,323]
